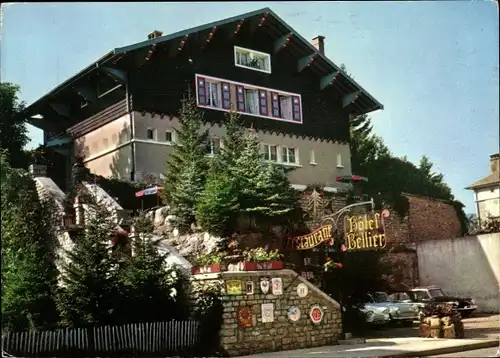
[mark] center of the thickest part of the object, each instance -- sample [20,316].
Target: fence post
[91,341]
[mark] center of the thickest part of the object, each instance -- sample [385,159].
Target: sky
[433,64]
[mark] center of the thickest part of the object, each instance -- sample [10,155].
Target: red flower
[339,265]
[343,248]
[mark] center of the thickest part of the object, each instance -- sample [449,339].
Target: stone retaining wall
[282,333]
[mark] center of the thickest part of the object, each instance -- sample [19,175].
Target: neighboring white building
[487,191]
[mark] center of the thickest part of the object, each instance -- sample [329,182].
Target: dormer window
[252,60]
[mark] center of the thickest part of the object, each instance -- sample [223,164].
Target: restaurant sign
[365,232]
[313,239]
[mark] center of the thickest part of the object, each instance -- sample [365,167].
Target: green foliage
[90,276]
[186,167]
[276,193]
[240,184]
[148,284]
[29,276]
[13,132]
[211,258]
[215,212]
[261,254]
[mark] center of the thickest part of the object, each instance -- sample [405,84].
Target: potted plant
[262,259]
[208,263]
[330,265]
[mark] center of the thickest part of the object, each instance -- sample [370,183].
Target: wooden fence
[140,339]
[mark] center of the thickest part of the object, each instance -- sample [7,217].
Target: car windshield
[436,292]
[420,295]
[381,297]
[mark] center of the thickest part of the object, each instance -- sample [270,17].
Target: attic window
[252,60]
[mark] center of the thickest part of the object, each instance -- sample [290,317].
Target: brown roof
[493,178]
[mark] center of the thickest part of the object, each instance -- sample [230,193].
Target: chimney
[495,163]
[154,34]
[38,170]
[319,43]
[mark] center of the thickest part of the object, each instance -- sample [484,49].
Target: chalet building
[121,111]
[487,192]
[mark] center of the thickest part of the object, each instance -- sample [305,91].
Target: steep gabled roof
[365,104]
[490,180]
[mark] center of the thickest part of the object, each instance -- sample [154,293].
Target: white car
[398,311]
[375,314]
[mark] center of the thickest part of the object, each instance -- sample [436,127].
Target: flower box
[213,268]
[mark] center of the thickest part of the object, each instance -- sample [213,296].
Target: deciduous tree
[13,132]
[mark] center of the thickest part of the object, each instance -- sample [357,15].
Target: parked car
[375,314]
[434,294]
[399,312]
[372,314]
[408,297]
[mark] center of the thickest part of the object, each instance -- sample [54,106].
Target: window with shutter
[296,109]
[226,95]
[201,91]
[263,102]
[240,98]
[275,101]
[216,93]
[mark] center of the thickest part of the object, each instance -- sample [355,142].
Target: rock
[169,219]
[158,217]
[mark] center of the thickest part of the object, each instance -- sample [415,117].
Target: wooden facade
[153,76]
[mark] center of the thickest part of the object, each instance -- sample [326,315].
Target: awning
[149,191]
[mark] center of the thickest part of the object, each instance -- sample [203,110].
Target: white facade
[487,191]
[487,202]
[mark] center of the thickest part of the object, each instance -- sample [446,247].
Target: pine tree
[29,274]
[249,171]
[90,277]
[233,143]
[148,282]
[241,185]
[187,166]
[280,199]
[218,207]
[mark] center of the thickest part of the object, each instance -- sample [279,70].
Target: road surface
[486,352]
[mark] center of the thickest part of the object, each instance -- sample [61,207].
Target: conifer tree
[186,167]
[151,287]
[279,198]
[218,207]
[90,274]
[240,183]
[29,274]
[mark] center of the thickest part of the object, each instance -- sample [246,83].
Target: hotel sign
[362,232]
[365,232]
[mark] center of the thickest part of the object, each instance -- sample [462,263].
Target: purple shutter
[275,102]
[263,102]
[240,98]
[201,91]
[226,95]
[296,109]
